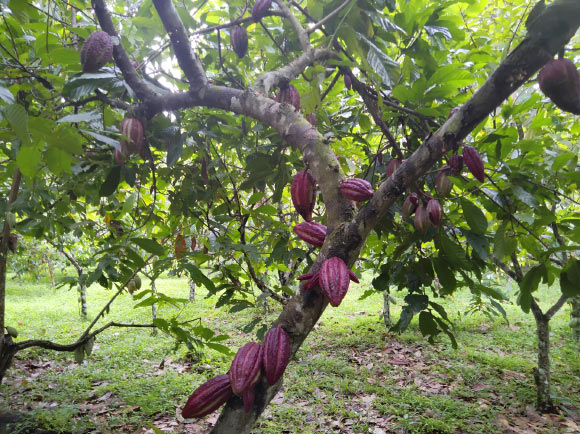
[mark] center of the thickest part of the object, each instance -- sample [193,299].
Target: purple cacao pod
[434,211]
[410,205]
[260,9]
[303,192]
[334,280]
[208,397]
[239,41]
[473,162]
[97,51]
[289,95]
[443,184]
[560,81]
[276,354]
[133,134]
[456,164]
[245,370]
[119,157]
[356,189]
[313,282]
[421,221]
[347,81]
[312,232]
[393,165]
[248,398]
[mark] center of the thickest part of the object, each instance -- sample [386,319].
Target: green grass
[351,375]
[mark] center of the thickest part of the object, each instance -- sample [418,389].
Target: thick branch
[188,61]
[300,32]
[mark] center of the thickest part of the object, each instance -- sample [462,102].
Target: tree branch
[300,32]
[328,17]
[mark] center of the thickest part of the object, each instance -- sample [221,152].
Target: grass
[350,376]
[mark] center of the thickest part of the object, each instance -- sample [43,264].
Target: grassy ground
[351,375]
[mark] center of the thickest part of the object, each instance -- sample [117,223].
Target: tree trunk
[387,308]
[83,300]
[7,351]
[191,290]
[154,308]
[544,403]
[575,318]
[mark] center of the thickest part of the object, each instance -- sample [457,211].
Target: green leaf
[111,182]
[454,254]
[149,245]
[58,161]
[499,242]
[17,117]
[199,278]
[6,95]
[28,159]
[81,117]
[475,217]
[570,278]
[444,274]
[478,243]
[427,324]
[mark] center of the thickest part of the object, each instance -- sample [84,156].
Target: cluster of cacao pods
[560,81]
[333,278]
[425,215]
[97,50]
[239,35]
[133,140]
[356,189]
[303,193]
[251,362]
[134,284]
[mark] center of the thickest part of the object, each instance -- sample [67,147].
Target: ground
[351,376]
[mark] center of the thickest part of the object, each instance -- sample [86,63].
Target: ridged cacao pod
[313,282]
[311,117]
[208,397]
[393,165]
[456,164]
[312,232]
[421,221]
[97,51]
[453,111]
[239,41]
[434,211]
[119,157]
[276,354]
[303,192]
[410,205]
[133,136]
[347,81]
[245,370]
[560,81]
[334,280]
[248,398]
[180,246]
[260,9]
[443,184]
[289,95]
[473,162]
[356,189]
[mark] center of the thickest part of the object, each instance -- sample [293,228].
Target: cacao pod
[311,117]
[393,165]
[10,219]
[119,157]
[443,184]
[353,276]
[208,397]
[131,286]
[456,164]
[13,242]
[138,282]
[356,189]
[421,221]
[133,136]
[434,211]
[248,398]
[560,81]
[313,282]
[334,280]
[245,370]
[239,41]
[473,162]
[347,81]
[303,192]
[312,232]
[260,9]
[305,276]
[276,354]
[180,246]
[193,244]
[97,50]
[289,95]
[12,332]
[410,205]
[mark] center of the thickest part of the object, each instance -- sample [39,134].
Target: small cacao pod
[410,205]
[334,280]
[138,282]
[260,9]
[245,370]
[356,189]
[313,282]
[193,244]
[289,95]
[97,51]
[133,136]
[347,81]
[180,246]
[560,81]
[421,221]
[434,211]
[473,162]
[208,397]
[12,332]
[312,232]
[303,192]
[119,157]
[239,41]
[276,354]
[443,184]
[393,165]
[311,117]
[456,164]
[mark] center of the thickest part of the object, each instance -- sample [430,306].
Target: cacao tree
[376,105]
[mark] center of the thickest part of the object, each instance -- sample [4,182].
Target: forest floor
[352,375]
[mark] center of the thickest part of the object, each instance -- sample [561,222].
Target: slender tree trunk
[83,299]
[387,308]
[154,308]
[50,271]
[575,318]
[544,403]
[191,290]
